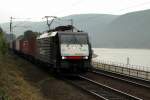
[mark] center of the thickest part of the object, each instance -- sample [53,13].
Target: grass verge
[13,86]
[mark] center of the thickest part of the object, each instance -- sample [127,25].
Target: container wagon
[61,50]
[28,46]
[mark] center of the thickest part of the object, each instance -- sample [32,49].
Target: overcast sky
[37,9]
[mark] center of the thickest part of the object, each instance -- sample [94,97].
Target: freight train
[61,49]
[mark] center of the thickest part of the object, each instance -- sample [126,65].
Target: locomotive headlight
[63,57]
[86,57]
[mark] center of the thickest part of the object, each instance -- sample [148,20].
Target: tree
[30,34]
[3,44]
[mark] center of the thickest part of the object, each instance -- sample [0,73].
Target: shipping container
[18,43]
[28,45]
[10,45]
[14,45]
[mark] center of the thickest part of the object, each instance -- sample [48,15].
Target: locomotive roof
[52,34]
[44,35]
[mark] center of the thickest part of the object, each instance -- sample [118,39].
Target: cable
[144,3]
[71,6]
[137,5]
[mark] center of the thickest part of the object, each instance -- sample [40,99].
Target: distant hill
[91,23]
[106,31]
[20,27]
[131,30]
[94,24]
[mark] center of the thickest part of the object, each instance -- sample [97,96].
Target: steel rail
[86,90]
[101,91]
[127,96]
[123,78]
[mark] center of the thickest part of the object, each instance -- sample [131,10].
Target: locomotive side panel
[53,50]
[45,50]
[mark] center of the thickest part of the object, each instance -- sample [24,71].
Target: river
[139,57]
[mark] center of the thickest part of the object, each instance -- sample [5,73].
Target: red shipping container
[28,45]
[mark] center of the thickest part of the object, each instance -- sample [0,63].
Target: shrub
[3,44]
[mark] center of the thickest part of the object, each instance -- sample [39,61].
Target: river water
[140,57]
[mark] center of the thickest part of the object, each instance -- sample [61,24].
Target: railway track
[134,81]
[99,90]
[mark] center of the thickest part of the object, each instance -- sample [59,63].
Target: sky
[36,9]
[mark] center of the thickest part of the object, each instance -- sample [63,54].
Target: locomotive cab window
[73,39]
[74,46]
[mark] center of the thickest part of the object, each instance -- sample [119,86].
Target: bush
[3,44]
[3,95]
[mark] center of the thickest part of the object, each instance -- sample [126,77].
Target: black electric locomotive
[66,51]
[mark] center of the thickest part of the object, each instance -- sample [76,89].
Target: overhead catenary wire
[135,6]
[47,21]
[17,25]
[73,5]
[70,7]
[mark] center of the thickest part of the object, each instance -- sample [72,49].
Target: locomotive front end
[75,51]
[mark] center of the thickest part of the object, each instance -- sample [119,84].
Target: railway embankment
[13,86]
[21,80]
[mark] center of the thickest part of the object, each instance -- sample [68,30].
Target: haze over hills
[106,31]
[91,23]
[129,30]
